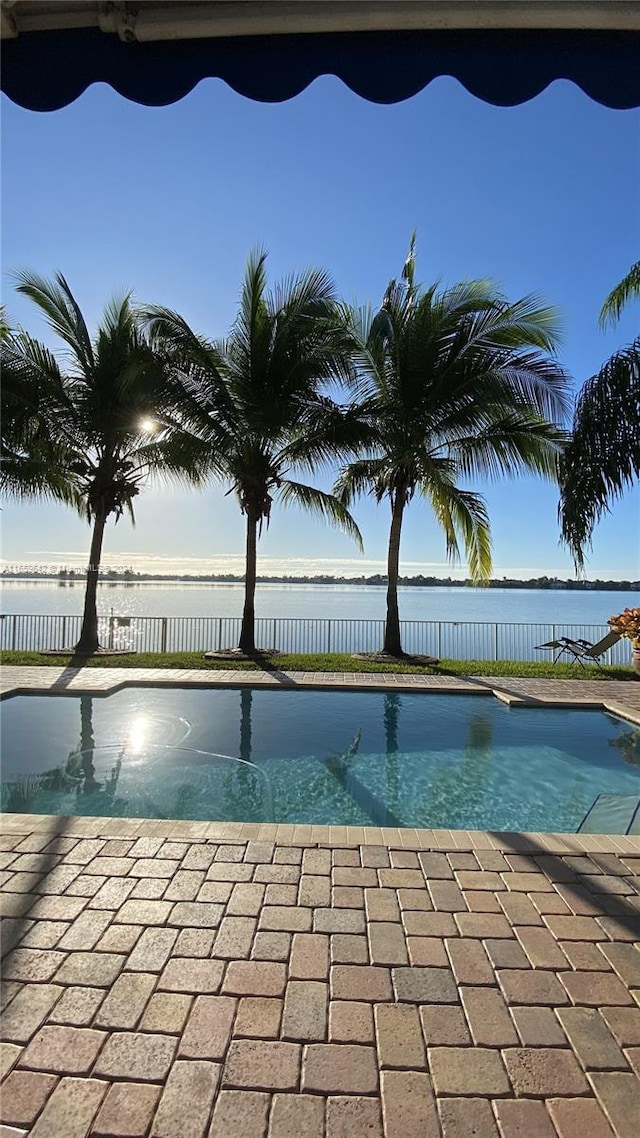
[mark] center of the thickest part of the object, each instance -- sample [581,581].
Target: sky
[169,201]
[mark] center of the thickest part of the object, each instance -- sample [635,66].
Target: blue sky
[169,201]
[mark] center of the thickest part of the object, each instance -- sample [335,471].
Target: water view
[337,602]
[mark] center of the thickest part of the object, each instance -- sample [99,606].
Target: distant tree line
[133,577]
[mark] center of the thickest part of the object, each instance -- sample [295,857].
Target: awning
[502,51]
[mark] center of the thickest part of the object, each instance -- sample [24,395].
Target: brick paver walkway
[181,980]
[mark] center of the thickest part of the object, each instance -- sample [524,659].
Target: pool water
[337,758]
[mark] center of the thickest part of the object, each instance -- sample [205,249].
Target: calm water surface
[329,601]
[350,758]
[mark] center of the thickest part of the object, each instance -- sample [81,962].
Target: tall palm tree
[458,384]
[603,456]
[256,403]
[94,420]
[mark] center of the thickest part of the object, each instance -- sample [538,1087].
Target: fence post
[439,648]
[64,632]
[495,642]
[275,623]
[14,633]
[219,633]
[328,637]
[163,642]
[110,640]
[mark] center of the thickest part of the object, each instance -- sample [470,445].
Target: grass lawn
[330,663]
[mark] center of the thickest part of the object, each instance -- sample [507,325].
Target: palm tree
[256,403]
[94,419]
[603,456]
[457,383]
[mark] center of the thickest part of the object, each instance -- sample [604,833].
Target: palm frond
[358,478]
[184,459]
[5,326]
[170,333]
[39,443]
[324,505]
[508,446]
[303,293]
[528,321]
[603,456]
[628,289]
[327,432]
[463,515]
[30,371]
[118,318]
[28,478]
[55,299]
[252,311]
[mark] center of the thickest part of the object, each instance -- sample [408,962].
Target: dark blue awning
[47,70]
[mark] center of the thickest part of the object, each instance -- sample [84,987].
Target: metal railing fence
[454,640]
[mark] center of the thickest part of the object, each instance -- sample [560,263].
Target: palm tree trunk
[247,631]
[88,641]
[392,643]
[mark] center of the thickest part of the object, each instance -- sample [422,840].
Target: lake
[338,602]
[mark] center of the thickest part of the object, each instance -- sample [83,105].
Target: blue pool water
[341,758]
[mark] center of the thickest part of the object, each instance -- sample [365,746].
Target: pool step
[612,814]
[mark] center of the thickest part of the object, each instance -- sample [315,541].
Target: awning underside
[156,51]
[48,70]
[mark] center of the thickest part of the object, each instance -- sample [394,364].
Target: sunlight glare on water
[137,733]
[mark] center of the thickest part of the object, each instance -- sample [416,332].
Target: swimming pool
[337,758]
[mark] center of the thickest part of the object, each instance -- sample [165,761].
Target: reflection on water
[391,720]
[456,793]
[343,758]
[246,698]
[93,772]
[138,777]
[628,745]
[76,776]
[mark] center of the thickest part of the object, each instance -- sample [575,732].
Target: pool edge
[316,835]
[617,697]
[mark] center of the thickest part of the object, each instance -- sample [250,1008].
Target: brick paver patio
[205,980]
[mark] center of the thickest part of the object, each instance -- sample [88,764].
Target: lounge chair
[581,650]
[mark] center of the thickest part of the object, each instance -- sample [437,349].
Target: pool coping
[316,836]
[621,698]
[610,696]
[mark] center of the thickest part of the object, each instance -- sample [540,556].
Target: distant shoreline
[130,579]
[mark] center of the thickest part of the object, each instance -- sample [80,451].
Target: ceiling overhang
[503,51]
